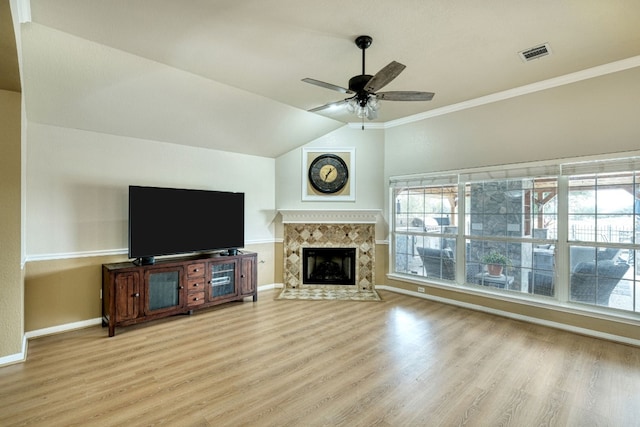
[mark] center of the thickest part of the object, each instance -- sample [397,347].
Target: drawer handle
[195,270]
[195,285]
[195,299]
[136,295]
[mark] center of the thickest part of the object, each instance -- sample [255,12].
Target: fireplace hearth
[328,266]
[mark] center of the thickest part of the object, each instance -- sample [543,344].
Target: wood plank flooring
[400,362]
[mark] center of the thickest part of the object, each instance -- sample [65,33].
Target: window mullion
[460,238]
[562,248]
[392,228]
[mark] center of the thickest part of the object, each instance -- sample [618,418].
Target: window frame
[605,267]
[440,234]
[562,171]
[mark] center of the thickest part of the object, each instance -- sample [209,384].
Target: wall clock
[328,176]
[328,173]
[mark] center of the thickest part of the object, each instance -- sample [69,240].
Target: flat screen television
[168,221]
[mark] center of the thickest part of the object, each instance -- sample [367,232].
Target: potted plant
[495,262]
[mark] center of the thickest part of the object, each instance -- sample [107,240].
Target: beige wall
[60,292]
[63,291]
[11,285]
[278,267]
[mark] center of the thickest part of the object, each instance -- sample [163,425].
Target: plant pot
[494,269]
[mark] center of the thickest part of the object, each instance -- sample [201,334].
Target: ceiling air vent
[535,52]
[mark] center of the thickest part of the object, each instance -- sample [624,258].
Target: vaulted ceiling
[226,74]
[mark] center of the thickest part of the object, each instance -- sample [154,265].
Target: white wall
[77,186]
[594,116]
[369,172]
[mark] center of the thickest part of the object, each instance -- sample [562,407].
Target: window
[602,235]
[425,229]
[569,233]
[510,238]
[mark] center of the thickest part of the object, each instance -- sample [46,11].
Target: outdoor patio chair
[595,287]
[438,263]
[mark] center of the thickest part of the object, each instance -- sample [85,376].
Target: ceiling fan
[364,88]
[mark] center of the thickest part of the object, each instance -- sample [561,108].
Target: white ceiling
[227,74]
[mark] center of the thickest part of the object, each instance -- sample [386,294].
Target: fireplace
[352,230]
[329,266]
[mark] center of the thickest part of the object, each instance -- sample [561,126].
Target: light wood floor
[400,362]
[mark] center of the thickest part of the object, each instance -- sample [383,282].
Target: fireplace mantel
[330,216]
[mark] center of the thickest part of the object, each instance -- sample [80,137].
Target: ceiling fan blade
[384,76]
[405,96]
[327,85]
[329,105]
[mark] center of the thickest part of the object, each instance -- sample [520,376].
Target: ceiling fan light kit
[365,101]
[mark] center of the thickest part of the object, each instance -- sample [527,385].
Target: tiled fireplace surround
[329,229]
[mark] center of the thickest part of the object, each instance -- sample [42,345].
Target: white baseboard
[271,286]
[63,328]
[16,358]
[22,356]
[542,322]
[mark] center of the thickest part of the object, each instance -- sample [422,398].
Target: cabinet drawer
[195,270]
[195,285]
[195,298]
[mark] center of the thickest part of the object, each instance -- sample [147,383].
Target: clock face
[328,173]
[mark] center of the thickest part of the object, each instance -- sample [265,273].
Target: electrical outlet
[420,289]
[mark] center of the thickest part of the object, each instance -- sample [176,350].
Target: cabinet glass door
[163,291]
[223,279]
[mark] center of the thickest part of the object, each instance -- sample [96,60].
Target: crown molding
[589,73]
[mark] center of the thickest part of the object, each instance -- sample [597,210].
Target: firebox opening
[329,266]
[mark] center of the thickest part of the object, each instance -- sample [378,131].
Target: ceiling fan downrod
[357,83]
[363,42]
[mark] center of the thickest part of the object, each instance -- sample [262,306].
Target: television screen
[166,221]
